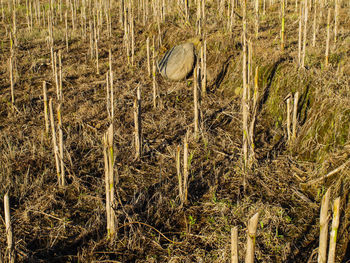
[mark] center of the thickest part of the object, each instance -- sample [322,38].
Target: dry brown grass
[53,224]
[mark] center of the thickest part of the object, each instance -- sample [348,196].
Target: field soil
[285,183]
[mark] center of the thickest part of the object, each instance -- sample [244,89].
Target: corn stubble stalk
[178,171]
[300,34]
[305,33]
[196,102]
[314,25]
[245,94]
[154,76]
[253,118]
[295,115]
[12,83]
[289,136]
[45,108]
[283,19]
[251,238]
[334,231]
[185,172]
[336,12]
[234,245]
[148,58]
[322,249]
[204,69]
[108,155]
[137,122]
[328,37]
[60,140]
[10,245]
[54,143]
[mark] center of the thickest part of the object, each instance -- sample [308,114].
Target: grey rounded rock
[177,62]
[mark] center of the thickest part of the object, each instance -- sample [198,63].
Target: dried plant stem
[300,34]
[9,234]
[336,12]
[178,170]
[195,102]
[137,122]
[305,33]
[148,58]
[251,236]
[234,245]
[66,31]
[45,108]
[314,25]
[154,76]
[245,93]
[54,142]
[204,70]
[288,118]
[334,231]
[283,19]
[328,36]
[111,86]
[185,173]
[322,249]
[60,140]
[295,114]
[60,98]
[109,180]
[253,117]
[132,42]
[55,75]
[96,48]
[12,83]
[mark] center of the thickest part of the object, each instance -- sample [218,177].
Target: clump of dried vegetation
[61,216]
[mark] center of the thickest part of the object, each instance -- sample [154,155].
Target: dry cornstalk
[55,75]
[45,108]
[328,36]
[322,249]
[334,231]
[305,33]
[300,34]
[154,77]
[336,12]
[60,74]
[111,86]
[185,173]
[314,25]
[12,83]
[132,42]
[111,177]
[245,92]
[137,122]
[148,58]
[234,245]
[204,69]
[288,116]
[66,30]
[109,180]
[96,47]
[257,18]
[54,143]
[282,30]
[195,102]
[178,170]
[9,234]
[60,141]
[251,237]
[253,117]
[295,114]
